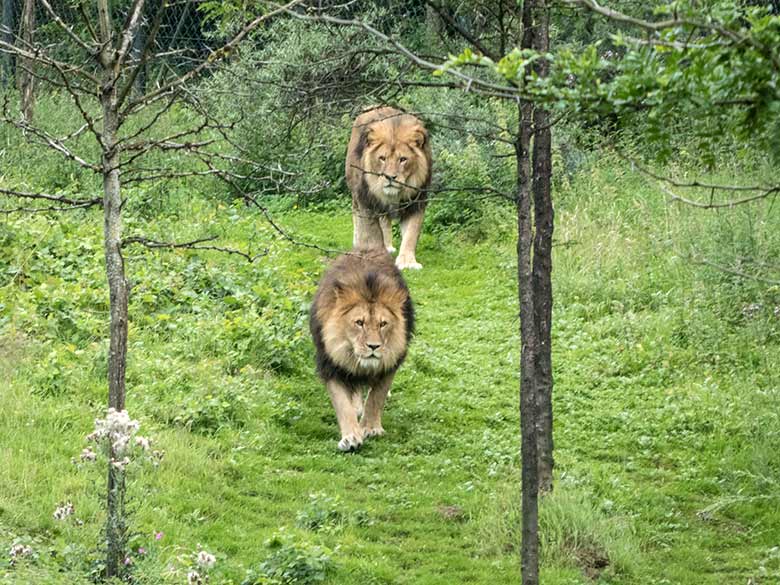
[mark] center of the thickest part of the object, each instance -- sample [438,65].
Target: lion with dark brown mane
[388,170]
[361,320]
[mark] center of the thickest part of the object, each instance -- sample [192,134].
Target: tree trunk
[542,260]
[115,269]
[528,343]
[528,327]
[116,530]
[26,79]
[7,35]
[118,296]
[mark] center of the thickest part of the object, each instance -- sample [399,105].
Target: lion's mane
[359,277]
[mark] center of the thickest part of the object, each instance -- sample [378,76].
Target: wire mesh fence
[183,33]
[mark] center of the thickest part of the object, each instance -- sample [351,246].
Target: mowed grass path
[666,448]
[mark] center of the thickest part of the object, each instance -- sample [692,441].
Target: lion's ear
[419,136]
[369,137]
[366,139]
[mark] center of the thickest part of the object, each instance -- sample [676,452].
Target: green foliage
[294,83]
[476,211]
[321,512]
[324,513]
[291,563]
[711,77]
[210,412]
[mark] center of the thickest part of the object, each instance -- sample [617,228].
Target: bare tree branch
[48,197]
[151,37]
[165,174]
[762,191]
[128,32]
[735,272]
[37,56]
[468,83]
[51,141]
[7,211]
[728,204]
[65,28]
[641,23]
[454,25]
[192,245]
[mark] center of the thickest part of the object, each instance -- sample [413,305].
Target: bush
[296,87]
[291,563]
[322,512]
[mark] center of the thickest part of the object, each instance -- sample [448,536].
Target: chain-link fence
[182,33]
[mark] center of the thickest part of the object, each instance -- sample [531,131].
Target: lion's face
[365,337]
[395,160]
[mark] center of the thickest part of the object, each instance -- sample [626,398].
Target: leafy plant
[322,512]
[291,563]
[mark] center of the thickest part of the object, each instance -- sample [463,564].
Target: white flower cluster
[117,428]
[120,464]
[63,511]
[88,455]
[206,560]
[18,551]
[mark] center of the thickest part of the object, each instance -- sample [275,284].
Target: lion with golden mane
[361,321]
[388,170]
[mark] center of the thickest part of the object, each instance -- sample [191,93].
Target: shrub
[290,563]
[322,512]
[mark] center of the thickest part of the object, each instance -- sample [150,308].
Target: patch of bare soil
[591,560]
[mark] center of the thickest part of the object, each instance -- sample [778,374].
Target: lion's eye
[402,159]
[383,324]
[382,159]
[359,322]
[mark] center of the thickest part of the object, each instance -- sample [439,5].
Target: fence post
[26,79]
[139,41]
[7,35]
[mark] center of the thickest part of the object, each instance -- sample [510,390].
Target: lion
[388,170]
[361,321]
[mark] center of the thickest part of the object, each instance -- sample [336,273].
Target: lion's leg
[387,232]
[355,228]
[375,404]
[367,230]
[347,415]
[411,226]
[357,402]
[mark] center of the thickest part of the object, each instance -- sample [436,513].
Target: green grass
[666,400]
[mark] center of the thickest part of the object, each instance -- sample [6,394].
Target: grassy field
[667,398]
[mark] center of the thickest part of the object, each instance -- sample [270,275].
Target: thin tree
[95,64]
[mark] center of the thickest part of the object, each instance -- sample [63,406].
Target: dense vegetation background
[667,361]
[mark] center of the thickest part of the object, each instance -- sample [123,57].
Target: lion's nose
[373,346]
[391,177]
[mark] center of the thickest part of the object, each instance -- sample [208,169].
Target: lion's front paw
[351,442]
[404,262]
[391,249]
[373,431]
